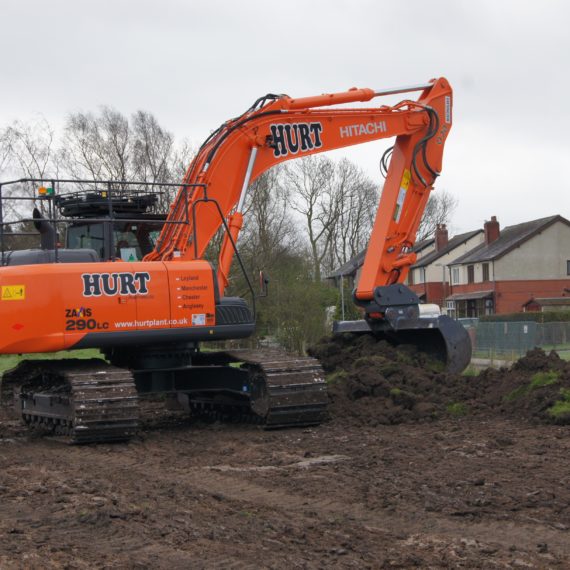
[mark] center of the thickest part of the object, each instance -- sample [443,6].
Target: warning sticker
[407,176]
[13,292]
[404,185]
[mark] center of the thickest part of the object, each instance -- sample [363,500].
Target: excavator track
[284,391]
[83,401]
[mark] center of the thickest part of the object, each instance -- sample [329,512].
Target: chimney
[492,230]
[441,237]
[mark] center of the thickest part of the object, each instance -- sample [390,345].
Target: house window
[421,274]
[470,274]
[568,267]
[485,272]
[455,275]
[411,277]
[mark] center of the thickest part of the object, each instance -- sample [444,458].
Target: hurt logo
[97,284]
[295,137]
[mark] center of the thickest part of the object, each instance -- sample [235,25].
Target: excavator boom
[281,128]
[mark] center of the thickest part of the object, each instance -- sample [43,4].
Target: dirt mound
[537,360]
[537,387]
[372,382]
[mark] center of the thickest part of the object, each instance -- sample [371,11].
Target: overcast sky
[195,64]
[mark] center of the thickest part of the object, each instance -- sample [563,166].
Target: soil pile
[537,387]
[372,382]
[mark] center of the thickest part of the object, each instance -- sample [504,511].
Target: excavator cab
[120,227]
[115,223]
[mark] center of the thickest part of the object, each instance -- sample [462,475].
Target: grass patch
[471,372]
[517,393]
[561,408]
[8,361]
[456,409]
[336,377]
[539,380]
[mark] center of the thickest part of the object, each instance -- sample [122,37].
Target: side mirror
[48,237]
[263,284]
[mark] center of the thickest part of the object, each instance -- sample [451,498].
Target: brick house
[488,270]
[521,262]
[429,277]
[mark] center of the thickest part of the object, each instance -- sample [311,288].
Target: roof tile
[510,237]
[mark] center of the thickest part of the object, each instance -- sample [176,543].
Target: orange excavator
[138,286]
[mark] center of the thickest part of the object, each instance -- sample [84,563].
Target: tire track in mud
[215,477]
[235,486]
[383,522]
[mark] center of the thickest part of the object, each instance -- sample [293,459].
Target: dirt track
[476,492]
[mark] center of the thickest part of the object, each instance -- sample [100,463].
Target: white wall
[437,271]
[542,257]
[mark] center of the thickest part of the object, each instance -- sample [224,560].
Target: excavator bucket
[440,337]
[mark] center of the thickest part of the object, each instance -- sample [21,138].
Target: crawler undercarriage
[90,401]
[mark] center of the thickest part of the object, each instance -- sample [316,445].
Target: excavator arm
[280,128]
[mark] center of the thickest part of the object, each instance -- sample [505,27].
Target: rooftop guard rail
[110,190]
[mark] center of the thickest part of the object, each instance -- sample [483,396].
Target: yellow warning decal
[402,194]
[406,179]
[13,292]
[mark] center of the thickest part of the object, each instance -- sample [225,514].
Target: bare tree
[4,149]
[357,198]
[29,149]
[439,210]
[337,203]
[152,149]
[98,147]
[269,231]
[154,156]
[109,146]
[310,181]
[181,156]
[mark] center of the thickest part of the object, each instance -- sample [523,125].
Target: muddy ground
[485,488]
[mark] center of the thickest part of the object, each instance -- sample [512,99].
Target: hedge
[546,317]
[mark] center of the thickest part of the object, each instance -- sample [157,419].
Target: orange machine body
[51,307]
